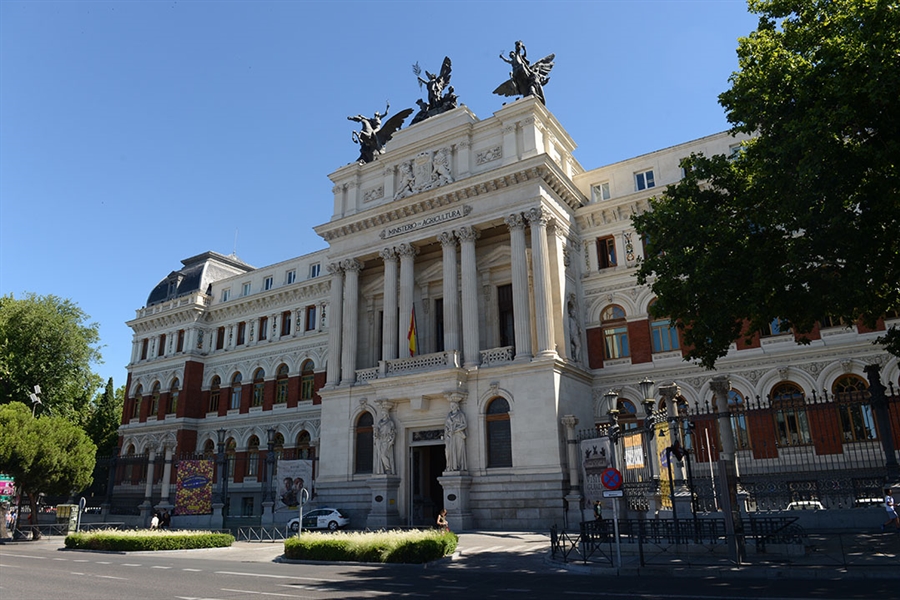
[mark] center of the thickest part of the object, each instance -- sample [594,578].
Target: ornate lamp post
[270,467]
[220,468]
[611,399]
[648,394]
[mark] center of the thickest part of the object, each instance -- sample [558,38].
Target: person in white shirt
[891,511]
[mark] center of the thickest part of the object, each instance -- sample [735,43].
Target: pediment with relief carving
[426,171]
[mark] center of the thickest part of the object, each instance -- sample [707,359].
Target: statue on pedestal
[455,438]
[373,135]
[438,101]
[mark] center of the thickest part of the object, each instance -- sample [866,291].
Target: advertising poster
[634,451]
[293,476]
[7,488]
[193,487]
[595,455]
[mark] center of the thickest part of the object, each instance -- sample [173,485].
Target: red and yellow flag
[411,334]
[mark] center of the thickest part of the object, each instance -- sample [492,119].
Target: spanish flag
[411,334]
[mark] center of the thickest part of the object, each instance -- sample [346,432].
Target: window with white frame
[644,180]
[226,295]
[600,192]
[314,270]
[290,277]
[245,289]
[268,282]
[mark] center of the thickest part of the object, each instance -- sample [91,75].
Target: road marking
[130,565]
[264,593]
[316,579]
[451,587]
[103,562]
[193,570]
[61,559]
[156,567]
[78,560]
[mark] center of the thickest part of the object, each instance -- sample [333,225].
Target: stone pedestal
[384,512]
[268,513]
[456,487]
[146,512]
[217,518]
[574,512]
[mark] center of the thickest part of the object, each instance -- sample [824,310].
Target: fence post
[879,404]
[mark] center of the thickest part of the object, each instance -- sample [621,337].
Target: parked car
[805,505]
[320,518]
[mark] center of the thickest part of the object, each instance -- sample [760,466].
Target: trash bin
[67,514]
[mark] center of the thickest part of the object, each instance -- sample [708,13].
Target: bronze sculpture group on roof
[525,79]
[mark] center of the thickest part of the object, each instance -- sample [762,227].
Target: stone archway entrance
[426,463]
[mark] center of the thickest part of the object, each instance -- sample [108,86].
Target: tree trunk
[33,518]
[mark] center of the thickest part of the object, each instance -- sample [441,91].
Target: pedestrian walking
[154,522]
[891,511]
[165,520]
[442,523]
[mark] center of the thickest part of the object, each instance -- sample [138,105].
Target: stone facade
[518,266]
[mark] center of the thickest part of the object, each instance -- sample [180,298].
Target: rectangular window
[241,333]
[314,270]
[290,277]
[791,425]
[220,338]
[776,327]
[245,289]
[144,345]
[179,347]
[263,328]
[226,295]
[235,396]
[214,400]
[162,345]
[644,180]
[439,325]
[600,192]
[734,150]
[606,252]
[310,318]
[663,336]
[505,316]
[616,342]
[286,323]
[268,282]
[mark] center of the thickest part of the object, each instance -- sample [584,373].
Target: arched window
[307,380]
[259,386]
[236,391]
[253,456]
[172,404]
[209,450]
[791,423]
[279,446]
[851,394]
[281,385]
[364,443]
[663,337]
[304,450]
[737,408]
[499,435]
[230,456]
[627,414]
[615,333]
[214,393]
[136,402]
[154,400]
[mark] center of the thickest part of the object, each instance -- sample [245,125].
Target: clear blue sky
[134,134]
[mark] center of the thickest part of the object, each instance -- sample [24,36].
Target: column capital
[447,238]
[720,385]
[467,234]
[515,221]
[538,216]
[405,250]
[669,392]
[351,264]
[569,421]
[334,268]
[388,254]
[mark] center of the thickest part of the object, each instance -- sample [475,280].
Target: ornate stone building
[475,301]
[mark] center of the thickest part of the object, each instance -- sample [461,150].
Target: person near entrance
[442,523]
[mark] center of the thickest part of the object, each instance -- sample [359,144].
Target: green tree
[106,416]
[47,341]
[45,455]
[802,223]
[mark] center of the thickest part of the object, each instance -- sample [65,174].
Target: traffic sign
[611,479]
[613,493]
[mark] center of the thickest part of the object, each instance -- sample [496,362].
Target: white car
[320,518]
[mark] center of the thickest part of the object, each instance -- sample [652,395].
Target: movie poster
[293,476]
[193,487]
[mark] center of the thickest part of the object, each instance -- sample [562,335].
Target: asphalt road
[498,565]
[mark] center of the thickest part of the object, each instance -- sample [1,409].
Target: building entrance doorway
[427,463]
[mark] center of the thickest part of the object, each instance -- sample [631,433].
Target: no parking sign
[611,479]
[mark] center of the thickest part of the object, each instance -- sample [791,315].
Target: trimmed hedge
[112,539]
[409,546]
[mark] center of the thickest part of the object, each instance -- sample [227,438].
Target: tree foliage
[802,224]
[106,415]
[47,341]
[45,455]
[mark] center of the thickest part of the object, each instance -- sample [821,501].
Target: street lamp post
[648,393]
[35,400]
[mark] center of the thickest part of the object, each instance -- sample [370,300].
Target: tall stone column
[540,264]
[720,386]
[729,495]
[574,497]
[167,476]
[467,237]
[407,253]
[680,496]
[352,268]
[333,372]
[147,505]
[521,305]
[451,291]
[389,318]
